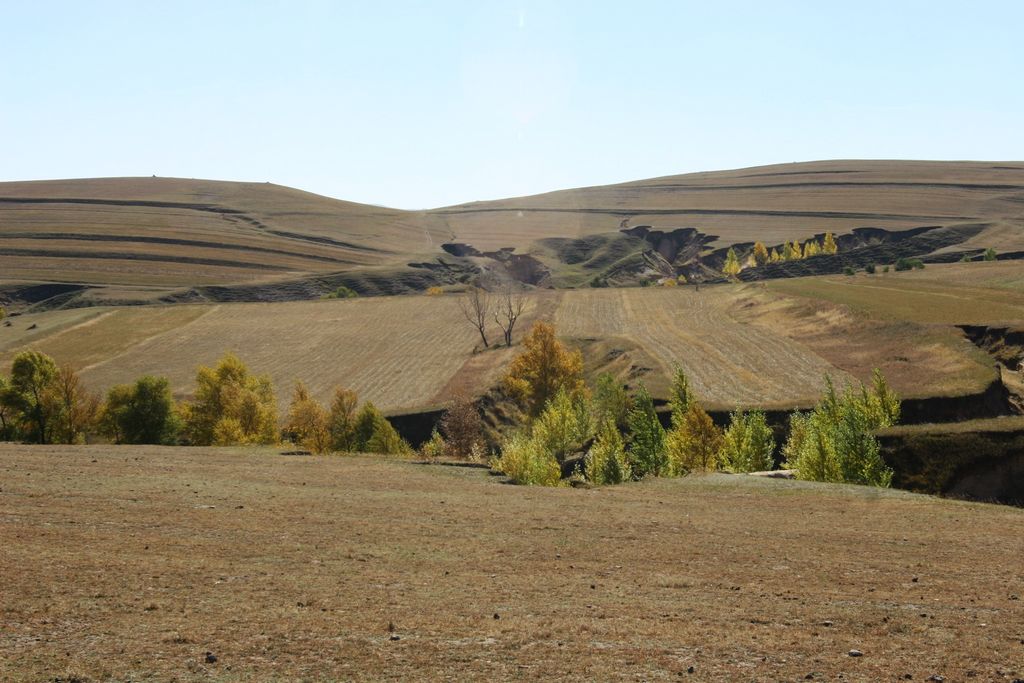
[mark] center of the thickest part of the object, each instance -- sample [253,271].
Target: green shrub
[564,426]
[990,254]
[748,443]
[909,263]
[848,270]
[373,433]
[647,454]
[143,413]
[525,461]
[836,441]
[870,269]
[342,292]
[611,402]
[606,460]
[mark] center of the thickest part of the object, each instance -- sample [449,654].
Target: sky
[424,104]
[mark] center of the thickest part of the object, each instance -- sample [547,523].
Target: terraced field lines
[397,352]
[728,363]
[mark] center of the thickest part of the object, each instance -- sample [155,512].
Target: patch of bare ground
[133,563]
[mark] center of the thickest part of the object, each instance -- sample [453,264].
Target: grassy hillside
[145,238]
[768,203]
[131,563]
[740,344]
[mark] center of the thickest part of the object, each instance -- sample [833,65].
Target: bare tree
[476,306]
[511,303]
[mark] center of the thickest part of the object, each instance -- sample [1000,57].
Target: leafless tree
[476,306]
[508,309]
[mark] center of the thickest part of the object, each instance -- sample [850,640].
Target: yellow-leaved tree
[732,264]
[829,245]
[811,248]
[773,256]
[308,422]
[231,406]
[543,369]
[761,255]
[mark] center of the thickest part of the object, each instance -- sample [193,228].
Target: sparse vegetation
[476,308]
[990,254]
[341,292]
[507,310]
[903,264]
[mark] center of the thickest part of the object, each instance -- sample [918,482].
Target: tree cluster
[341,427]
[836,441]
[789,251]
[607,436]
[44,403]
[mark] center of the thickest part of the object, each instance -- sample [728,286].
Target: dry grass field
[769,203]
[399,352]
[741,345]
[962,293]
[729,363]
[128,563]
[177,233]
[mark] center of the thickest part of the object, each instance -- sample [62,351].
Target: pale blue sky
[422,104]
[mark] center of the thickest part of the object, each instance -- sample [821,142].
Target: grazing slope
[150,236]
[131,563]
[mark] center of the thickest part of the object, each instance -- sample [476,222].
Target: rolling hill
[124,240]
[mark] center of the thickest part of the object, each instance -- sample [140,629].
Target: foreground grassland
[132,563]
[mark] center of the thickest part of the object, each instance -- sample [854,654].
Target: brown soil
[133,563]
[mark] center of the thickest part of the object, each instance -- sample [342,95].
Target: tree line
[41,402]
[607,436]
[600,433]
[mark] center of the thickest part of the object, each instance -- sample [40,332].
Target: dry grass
[178,232]
[918,359]
[225,232]
[728,363]
[739,344]
[769,203]
[398,352]
[132,563]
[939,294]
